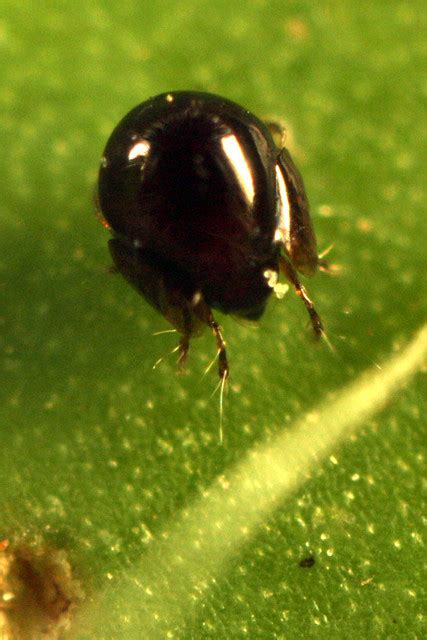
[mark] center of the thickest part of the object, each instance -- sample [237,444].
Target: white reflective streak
[140,149]
[283,231]
[234,153]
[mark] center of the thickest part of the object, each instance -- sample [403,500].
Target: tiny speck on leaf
[307,563]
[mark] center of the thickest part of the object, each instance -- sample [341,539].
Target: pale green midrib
[160,592]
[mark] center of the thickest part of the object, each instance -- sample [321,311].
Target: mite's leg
[223,368]
[202,311]
[184,342]
[288,270]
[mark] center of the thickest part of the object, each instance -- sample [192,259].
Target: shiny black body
[203,209]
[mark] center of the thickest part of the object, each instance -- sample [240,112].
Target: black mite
[205,212]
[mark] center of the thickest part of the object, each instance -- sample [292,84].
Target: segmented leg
[292,276]
[204,313]
[223,368]
[184,346]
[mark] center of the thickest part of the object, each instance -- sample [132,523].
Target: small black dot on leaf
[307,563]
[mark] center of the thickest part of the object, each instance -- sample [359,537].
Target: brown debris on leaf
[38,593]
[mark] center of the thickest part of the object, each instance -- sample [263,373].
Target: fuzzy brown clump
[38,593]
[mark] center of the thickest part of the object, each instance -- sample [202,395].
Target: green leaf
[177,572]
[170,534]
